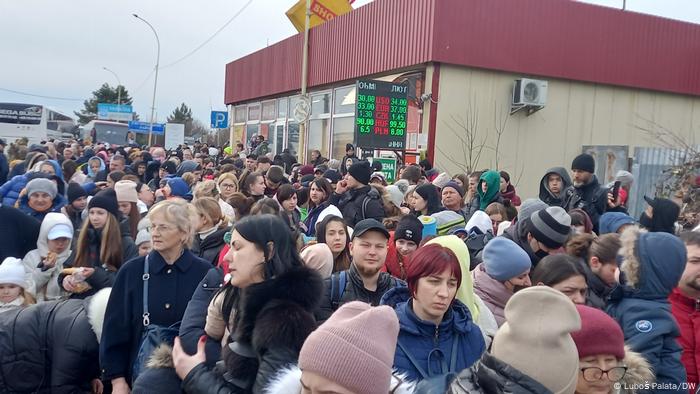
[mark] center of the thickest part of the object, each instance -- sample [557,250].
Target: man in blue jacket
[652,265]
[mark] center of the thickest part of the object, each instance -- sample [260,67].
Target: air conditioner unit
[529,92]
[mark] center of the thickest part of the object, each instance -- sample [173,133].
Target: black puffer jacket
[210,247]
[51,347]
[359,204]
[273,319]
[354,291]
[493,376]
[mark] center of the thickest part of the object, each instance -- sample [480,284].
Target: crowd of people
[230,270]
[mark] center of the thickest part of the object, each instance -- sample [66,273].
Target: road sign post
[219,119]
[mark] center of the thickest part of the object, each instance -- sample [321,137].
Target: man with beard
[684,301]
[587,193]
[545,231]
[363,281]
[505,270]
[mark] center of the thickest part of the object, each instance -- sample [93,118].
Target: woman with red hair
[437,334]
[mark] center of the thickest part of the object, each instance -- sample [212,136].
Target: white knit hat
[126,191]
[12,272]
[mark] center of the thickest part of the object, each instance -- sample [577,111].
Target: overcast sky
[58,47]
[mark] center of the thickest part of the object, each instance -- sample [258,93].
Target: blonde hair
[210,208]
[110,246]
[206,189]
[189,178]
[231,177]
[181,214]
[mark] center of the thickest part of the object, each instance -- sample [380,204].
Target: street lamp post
[119,83]
[155,81]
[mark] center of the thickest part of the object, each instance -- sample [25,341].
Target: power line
[39,95]
[236,15]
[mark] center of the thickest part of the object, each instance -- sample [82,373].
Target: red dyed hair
[430,260]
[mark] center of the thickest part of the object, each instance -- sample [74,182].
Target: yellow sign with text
[321,12]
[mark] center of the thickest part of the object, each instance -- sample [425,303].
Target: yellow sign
[238,133]
[321,12]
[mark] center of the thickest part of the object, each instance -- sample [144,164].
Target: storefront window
[250,131]
[253,112]
[282,107]
[293,137]
[321,104]
[239,114]
[279,140]
[343,133]
[344,100]
[269,112]
[319,131]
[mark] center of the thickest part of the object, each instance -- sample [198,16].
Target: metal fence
[648,168]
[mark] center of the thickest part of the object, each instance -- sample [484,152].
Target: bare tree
[465,130]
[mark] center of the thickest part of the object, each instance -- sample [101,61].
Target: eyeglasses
[161,228]
[593,374]
[227,186]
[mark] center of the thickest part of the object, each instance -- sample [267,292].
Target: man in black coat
[52,347]
[18,233]
[355,199]
[587,193]
[364,281]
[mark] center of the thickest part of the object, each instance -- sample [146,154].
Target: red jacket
[687,313]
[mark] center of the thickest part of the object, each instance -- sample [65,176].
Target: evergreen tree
[181,114]
[105,94]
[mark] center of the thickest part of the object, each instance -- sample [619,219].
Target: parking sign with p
[219,119]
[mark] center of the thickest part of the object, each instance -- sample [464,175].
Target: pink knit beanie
[354,348]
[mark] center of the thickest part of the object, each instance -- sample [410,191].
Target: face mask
[541,254]
[645,220]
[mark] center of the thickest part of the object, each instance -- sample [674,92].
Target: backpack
[339,283]
[372,194]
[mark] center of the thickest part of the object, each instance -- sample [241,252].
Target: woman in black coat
[272,296]
[103,245]
[174,273]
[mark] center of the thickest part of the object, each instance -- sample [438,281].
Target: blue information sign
[145,127]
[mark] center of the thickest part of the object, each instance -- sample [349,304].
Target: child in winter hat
[13,285]
[143,242]
[536,338]
[353,349]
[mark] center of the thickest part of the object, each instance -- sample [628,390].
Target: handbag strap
[145,277]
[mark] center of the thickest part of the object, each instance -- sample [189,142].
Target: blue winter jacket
[431,346]
[10,191]
[58,203]
[641,306]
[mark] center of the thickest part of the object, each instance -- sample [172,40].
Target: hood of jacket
[465,293]
[457,318]
[51,220]
[288,381]
[58,202]
[489,289]
[665,215]
[493,185]
[652,263]
[91,174]
[639,370]
[96,307]
[187,166]
[546,195]
[301,286]
[56,167]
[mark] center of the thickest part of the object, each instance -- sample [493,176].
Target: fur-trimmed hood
[288,381]
[638,372]
[652,262]
[96,307]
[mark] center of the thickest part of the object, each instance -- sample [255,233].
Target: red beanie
[599,334]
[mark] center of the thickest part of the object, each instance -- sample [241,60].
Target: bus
[35,122]
[114,133]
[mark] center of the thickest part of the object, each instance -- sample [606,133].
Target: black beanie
[75,191]
[584,162]
[169,167]
[361,171]
[409,228]
[349,147]
[107,200]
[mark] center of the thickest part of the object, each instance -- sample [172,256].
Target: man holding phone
[355,198]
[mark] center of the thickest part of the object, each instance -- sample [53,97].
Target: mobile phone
[616,190]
